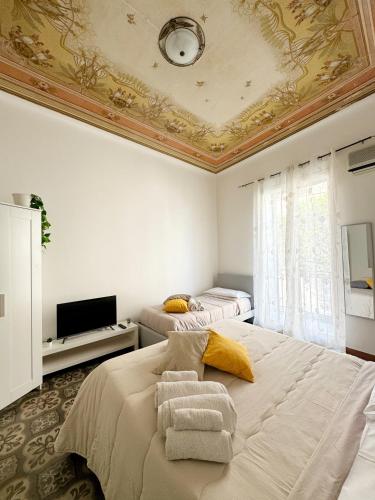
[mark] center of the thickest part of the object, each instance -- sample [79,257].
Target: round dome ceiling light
[181,41]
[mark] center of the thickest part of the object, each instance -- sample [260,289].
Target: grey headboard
[236,282]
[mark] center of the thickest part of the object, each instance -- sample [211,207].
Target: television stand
[90,345]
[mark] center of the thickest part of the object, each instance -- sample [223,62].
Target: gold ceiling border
[14,88]
[299,126]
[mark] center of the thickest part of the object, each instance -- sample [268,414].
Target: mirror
[358,263]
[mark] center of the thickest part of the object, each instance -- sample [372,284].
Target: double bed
[155,323]
[298,430]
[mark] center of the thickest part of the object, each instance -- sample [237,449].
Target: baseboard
[363,355]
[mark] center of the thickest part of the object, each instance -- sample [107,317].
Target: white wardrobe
[20,302]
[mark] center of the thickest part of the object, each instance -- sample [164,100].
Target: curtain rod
[361,141]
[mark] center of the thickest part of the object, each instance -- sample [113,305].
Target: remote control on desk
[122,326]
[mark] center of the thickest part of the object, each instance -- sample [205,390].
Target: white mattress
[298,431]
[215,309]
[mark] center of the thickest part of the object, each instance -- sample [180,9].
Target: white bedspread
[298,428]
[215,309]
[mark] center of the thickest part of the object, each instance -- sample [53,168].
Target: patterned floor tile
[29,467]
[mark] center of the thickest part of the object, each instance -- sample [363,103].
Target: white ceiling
[235,54]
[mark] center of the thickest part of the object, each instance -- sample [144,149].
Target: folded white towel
[171,376]
[219,402]
[197,419]
[199,445]
[169,390]
[195,305]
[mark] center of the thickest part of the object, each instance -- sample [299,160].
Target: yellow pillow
[176,306]
[228,355]
[370,282]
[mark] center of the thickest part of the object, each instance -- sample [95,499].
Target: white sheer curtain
[298,286]
[269,252]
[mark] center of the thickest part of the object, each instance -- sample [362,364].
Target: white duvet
[298,430]
[360,482]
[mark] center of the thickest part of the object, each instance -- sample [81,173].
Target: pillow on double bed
[228,356]
[184,352]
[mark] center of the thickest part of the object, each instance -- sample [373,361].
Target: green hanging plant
[37,202]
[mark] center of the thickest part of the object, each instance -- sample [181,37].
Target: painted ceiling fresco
[269,68]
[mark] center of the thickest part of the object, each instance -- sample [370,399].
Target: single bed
[155,323]
[215,309]
[298,430]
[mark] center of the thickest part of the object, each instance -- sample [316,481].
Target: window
[297,269]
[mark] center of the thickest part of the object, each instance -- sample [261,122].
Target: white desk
[87,346]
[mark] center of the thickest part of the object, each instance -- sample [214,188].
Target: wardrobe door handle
[2,305]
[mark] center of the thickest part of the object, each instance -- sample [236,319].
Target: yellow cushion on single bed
[176,306]
[228,355]
[370,282]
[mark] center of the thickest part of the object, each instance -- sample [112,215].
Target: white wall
[125,220]
[138,224]
[356,194]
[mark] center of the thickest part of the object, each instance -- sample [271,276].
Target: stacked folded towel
[219,402]
[169,376]
[200,445]
[170,390]
[197,418]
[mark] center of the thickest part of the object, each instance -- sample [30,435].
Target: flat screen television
[84,315]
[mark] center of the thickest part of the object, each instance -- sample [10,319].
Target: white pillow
[184,352]
[227,292]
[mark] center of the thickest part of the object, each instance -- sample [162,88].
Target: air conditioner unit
[362,160]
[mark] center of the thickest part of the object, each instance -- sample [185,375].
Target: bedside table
[87,346]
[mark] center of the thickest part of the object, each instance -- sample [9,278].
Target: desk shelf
[87,346]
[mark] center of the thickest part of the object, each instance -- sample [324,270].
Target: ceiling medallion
[181,41]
